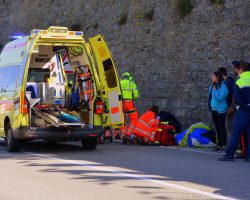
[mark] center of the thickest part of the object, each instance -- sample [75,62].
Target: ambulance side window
[11,78]
[2,79]
[110,73]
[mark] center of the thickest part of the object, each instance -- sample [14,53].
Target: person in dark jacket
[218,106]
[230,82]
[241,121]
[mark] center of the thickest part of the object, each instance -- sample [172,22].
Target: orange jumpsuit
[147,126]
[129,108]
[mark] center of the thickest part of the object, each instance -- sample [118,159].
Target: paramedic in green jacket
[241,121]
[129,94]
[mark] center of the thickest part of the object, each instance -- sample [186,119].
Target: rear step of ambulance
[52,118]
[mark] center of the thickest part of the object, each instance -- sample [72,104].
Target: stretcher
[53,117]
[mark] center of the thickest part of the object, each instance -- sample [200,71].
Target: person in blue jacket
[241,121]
[218,106]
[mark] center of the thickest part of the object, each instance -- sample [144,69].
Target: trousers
[241,124]
[131,112]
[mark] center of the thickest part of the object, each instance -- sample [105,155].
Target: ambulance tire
[12,144]
[89,143]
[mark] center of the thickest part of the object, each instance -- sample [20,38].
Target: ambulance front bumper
[54,133]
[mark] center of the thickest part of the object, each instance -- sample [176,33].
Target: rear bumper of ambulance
[57,134]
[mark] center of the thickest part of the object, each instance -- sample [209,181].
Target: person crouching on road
[129,94]
[218,105]
[241,121]
[147,126]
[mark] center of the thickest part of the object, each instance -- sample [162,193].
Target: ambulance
[56,86]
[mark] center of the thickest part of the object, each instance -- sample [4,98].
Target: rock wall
[171,57]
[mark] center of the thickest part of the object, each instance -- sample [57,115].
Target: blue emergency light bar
[16,37]
[35,31]
[78,33]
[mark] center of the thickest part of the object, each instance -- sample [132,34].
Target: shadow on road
[201,170]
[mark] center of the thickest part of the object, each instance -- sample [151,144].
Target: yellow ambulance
[56,86]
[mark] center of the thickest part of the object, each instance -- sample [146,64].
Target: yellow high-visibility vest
[129,89]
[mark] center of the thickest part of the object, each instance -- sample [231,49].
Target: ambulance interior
[60,88]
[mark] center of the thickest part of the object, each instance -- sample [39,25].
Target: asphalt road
[114,171]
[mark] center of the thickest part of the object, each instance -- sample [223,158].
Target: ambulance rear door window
[110,73]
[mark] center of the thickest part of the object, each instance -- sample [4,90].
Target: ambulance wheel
[12,144]
[89,143]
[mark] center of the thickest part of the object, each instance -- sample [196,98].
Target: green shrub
[185,7]
[123,19]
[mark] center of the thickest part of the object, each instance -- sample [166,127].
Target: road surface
[64,171]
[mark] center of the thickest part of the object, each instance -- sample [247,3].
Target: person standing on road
[129,94]
[241,121]
[230,82]
[218,106]
[243,139]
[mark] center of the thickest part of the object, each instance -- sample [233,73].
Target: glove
[158,117]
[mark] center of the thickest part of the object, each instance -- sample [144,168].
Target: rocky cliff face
[171,57]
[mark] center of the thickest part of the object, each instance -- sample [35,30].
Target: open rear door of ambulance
[20,93]
[110,87]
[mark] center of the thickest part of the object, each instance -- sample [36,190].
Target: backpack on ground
[171,119]
[165,135]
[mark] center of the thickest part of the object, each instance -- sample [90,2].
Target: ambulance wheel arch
[110,88]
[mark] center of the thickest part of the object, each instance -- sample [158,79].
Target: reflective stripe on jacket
[146,125]
[129,89]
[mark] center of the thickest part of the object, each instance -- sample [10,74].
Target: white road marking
[192,150]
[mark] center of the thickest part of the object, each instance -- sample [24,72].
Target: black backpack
[171,119]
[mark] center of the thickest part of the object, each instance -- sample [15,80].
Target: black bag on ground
[171,119]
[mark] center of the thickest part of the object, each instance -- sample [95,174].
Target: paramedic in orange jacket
[147,125]
[129,94]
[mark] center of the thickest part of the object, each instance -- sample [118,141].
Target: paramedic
[242,116]
[129,94]
[147,126]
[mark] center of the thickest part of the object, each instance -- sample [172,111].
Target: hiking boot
[125,139]
[226,158]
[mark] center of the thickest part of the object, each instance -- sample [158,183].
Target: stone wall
[171,57]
